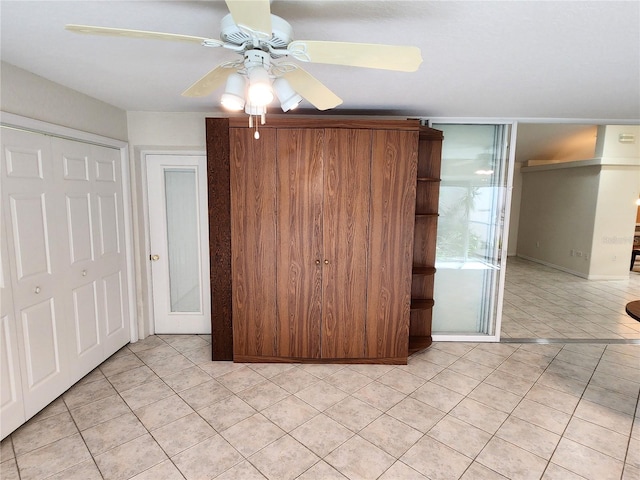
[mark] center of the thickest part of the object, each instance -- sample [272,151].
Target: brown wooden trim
[261,359]
[290,121]
[429,160]
[217,138]
[427,133]
[419,342]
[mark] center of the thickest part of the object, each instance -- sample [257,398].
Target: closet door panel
[31,235]
[253,235]
[80,227]
[347,171]
[393,190]
[32,207]
[11,402]
[105,172]
[90,178]
[45,364]
[299,246]
[72,170]
[85,318]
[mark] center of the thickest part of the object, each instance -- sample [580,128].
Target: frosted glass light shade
[260,91]
[288,97]
[233,96]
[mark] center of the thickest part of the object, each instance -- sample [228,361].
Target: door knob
[155,258]
[317,262]
[326,262]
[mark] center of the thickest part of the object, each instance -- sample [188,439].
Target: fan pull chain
[252,124]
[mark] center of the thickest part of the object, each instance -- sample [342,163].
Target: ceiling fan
[265,43]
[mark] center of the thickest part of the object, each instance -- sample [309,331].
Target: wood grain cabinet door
[253,235]
[299,245]
[393,193]
[322,235]
[345,214]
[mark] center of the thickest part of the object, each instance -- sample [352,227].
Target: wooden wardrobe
[312,230]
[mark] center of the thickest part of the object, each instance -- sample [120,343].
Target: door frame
[19,122]
[146,284]
[511,146]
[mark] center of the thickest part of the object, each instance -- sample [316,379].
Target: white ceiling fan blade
[211,81]
[311,89]
[123,32]
[385,57]
[254,15]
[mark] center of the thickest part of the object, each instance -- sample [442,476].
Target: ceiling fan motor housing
[281,35]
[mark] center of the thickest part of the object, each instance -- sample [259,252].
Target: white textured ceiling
[511,59]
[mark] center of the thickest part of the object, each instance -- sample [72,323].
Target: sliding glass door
[471,229]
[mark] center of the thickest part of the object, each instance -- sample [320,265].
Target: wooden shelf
[424,270]
[424,236]
[417,343]
[421,303]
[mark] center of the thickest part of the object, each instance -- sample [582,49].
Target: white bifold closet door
[62,209]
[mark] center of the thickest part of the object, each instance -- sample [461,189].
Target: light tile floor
[543,302]
[159,409]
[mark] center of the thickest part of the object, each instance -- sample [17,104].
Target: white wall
[159,129]
[610,147]
[614,222]
[23,93]
[514,215]
[542,142]
[557,215]
[155,132]
[616,210]
[587,207]
[555,141]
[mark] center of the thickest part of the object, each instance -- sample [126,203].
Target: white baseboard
[552,265]
[572,272]
[607,277]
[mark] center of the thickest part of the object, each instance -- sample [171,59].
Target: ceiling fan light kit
[287,96]
[233,96]
[260,37]
[258,64]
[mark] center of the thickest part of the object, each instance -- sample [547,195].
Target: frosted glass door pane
[182,239]
[470,227]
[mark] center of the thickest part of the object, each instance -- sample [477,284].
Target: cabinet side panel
[393,196]
[253,236]
[347,175]
[299,250]
[219,237]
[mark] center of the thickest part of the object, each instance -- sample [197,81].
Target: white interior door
[11,404]
[179,233]
[64,279]
[30,204]
[92,249]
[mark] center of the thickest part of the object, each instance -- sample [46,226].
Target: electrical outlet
[579,253]
[573,253]
[537,243]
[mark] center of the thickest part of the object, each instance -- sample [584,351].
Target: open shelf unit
[424,246]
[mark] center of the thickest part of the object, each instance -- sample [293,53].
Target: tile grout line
[572,414]
[371,380]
